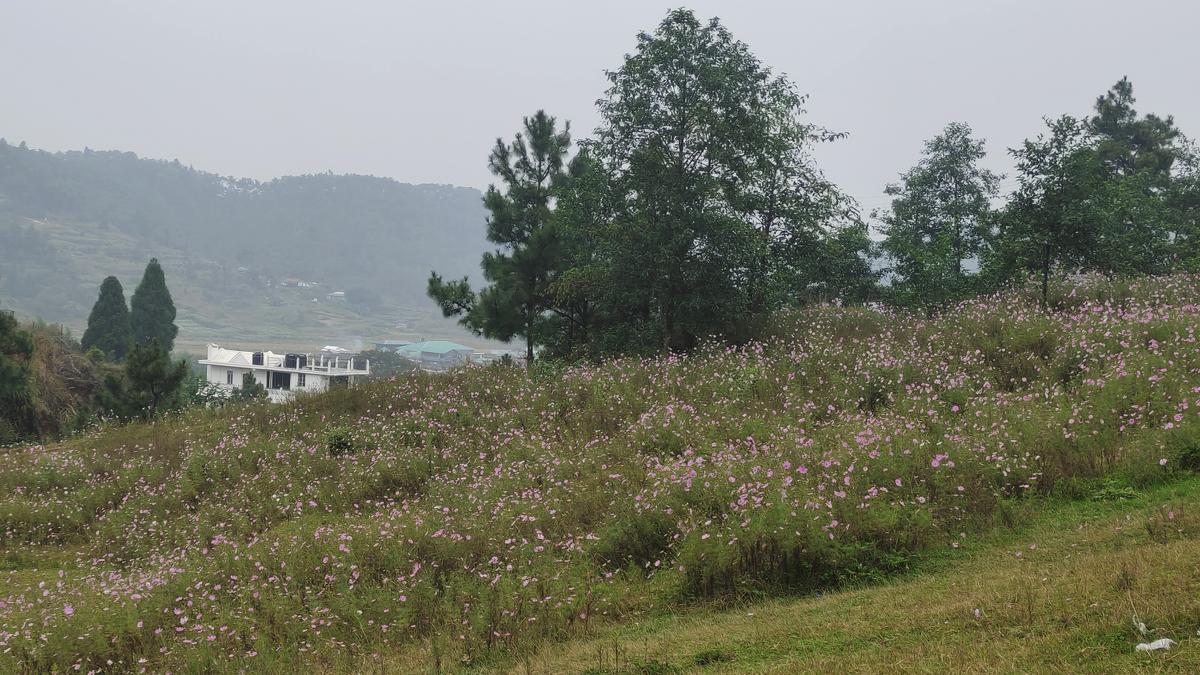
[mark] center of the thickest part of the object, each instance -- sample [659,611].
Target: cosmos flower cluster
[493,506]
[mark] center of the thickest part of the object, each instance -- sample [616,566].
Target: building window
[280,380]
[229,377]
[300,380]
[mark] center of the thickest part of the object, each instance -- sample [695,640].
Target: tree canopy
[940,218]
[16,352]
[526,262]
[1114,193]
[696,209]
[109,328]
[152,313]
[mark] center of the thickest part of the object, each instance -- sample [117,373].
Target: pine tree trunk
[1046,276]
[528,343]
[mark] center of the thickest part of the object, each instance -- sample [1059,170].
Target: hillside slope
[69,219]
[1058,594]
[490,512]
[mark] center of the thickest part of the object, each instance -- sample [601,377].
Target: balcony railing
[318,364]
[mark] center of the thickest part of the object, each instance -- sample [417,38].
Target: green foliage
[196,390]
[1111,490]
[251,390]
[696,211]
[940,217]
[521,272]
[386,364]
[16,351]
[149,384]
[1114,193]
[339,442]
[109,328]
[152,311]
[693,128]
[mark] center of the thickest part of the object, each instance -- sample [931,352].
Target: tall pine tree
[108,327]
[152,312]
[522,271]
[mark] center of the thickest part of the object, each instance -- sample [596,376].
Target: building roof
[433,347]
[323,364]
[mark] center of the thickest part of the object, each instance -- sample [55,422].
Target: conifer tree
[523,269]
[108,326]
[152,312]
[151,383]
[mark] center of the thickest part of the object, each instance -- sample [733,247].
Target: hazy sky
[419,90]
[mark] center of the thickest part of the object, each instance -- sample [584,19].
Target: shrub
[339,441]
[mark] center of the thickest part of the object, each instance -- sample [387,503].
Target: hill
[493,518]
[70,218]
[1059,595]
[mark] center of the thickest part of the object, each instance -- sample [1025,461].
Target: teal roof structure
[432,347]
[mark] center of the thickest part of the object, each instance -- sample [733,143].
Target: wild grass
[1059,596]
[491,511]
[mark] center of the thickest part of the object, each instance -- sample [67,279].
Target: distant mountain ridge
[65,217]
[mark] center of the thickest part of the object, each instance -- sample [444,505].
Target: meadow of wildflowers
[494,508]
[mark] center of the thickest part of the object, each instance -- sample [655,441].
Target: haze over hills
[232,248]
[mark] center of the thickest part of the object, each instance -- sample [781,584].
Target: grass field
[1058,593]
[1059,596]
[646,515]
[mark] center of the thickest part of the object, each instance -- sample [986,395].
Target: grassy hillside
[1066,602]
[1059,594]
[70,219]
[484,517]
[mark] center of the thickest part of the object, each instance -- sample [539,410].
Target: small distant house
[336,296]
[284,374]
[436,355]
[391,345]
[291,282]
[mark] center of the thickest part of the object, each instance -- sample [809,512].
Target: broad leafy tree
[152,311]
[1051,221]
[939,219]
[108,327]
[704,150]
[1114,193]
[803,222]
[1184,200]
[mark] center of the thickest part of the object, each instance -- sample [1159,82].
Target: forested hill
[344,231]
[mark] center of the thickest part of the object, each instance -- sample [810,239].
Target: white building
[284,374]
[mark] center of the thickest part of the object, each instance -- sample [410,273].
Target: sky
[419,91]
